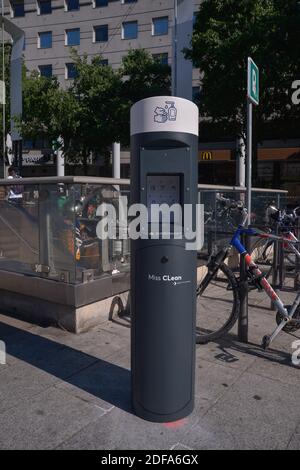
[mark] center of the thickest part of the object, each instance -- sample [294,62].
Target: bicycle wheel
[218,303]
[262,253]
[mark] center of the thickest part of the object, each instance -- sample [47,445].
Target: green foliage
[95,110]
[226,33]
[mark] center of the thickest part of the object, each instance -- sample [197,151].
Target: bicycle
[220,284]
[263,250]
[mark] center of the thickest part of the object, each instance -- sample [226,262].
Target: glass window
[160,26]
[101,33]
[45,7]
[104,62]
[18,8]
[71,71]
[72,5]
[100,3]
[130,30]
[163,58]
[46,70]
[45,40]
[129,1]
[73,37]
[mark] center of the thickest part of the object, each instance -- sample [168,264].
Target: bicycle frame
[290,240]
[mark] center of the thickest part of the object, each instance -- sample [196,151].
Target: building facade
[106,28]
[110,28]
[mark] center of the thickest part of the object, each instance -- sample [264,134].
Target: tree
[225,35]
[143,76]
[38,93]
[95,110]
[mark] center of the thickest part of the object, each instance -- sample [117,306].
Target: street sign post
[253,82]
[252,99]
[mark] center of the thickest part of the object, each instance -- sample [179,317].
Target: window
[72,37]
[129,1]
[163,58]
[17,8]
[100,3]
[130,30]
[101,33]
[44,7]
[104,62]
[71,5]
[45,40]
[71,71]
[45,70]
[160,26]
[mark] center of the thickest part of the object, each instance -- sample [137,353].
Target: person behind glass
[15,192]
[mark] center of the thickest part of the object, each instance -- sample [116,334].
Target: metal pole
[174,91]
[244,288]
[116,160]
[243,324]
[3,78]
[249,158]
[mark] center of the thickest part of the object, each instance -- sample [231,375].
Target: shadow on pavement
[104,380]
[229,345]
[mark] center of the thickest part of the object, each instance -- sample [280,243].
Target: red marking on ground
[175,424]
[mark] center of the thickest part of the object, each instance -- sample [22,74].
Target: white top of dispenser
[164,114]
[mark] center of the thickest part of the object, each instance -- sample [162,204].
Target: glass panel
[163,58]
[45,40]
[101,256]
[18,8]
[101,33]
[72,5]
[19,227]
[219,221]
[160,26]
[71,71]
[130,30]
[73,37]
[57,235]
[45,7]
[46,70]
[101,3]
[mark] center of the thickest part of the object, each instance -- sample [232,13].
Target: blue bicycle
[218,293]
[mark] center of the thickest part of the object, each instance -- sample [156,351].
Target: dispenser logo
[166,113]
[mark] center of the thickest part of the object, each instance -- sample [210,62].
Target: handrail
[123,182]
[65,180]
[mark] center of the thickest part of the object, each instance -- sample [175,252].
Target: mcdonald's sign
[206,156]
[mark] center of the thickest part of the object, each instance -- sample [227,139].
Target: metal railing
[39,235]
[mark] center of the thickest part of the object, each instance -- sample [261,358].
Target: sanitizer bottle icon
[172,111]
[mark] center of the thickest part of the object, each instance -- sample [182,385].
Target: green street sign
[253,82]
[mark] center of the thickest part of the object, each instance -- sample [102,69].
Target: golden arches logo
[206,155]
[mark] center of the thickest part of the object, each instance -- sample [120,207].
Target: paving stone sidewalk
[61,391]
